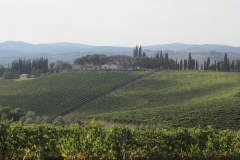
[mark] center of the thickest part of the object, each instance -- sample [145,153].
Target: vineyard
[53,94]
[173,99]
[96,142]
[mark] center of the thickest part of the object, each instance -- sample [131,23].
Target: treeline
[96,59]
[162,61]
[60,65]
[225,65]
[26,66]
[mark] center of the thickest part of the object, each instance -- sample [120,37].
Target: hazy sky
[121,22]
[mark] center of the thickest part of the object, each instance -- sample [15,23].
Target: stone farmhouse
[114,66]
[115,62]
[119,59]
[23,76]
[56,70]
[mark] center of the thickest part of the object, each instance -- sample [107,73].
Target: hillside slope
[54,94]
[173,98]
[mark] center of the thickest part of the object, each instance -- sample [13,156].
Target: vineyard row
[93,141]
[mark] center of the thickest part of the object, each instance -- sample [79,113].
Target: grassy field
[53,94]
[173,99]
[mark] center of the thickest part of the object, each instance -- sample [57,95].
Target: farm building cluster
[115,62]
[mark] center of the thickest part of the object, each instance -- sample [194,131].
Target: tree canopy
[96,59]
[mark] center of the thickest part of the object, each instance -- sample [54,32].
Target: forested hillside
[173,99]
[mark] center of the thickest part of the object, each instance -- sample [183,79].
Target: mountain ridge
[63,47]
[66,51]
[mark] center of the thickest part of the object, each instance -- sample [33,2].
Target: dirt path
[104,94]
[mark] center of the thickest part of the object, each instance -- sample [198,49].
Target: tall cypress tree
[144,54]
[161,59]
[157,55]
[47,65]
[232,66]
[196,65]
[185,64]
[140,51]
[189,61]
[166,62]
[181,63]
[225,64]
[192,63]
[136,50]
[176,64]
[238,65]
[218,67]
[215,65]
[228,65]
[208,63]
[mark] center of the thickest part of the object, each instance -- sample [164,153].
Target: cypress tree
[180,67]
[176,64]
[166,62]
[157,55]
[47,65]
[144,54]
[136,50]
[189,61]
[208,63]
[228,65]
[140,51]
[196,65]
[238,65]
[218,66]
[215,65]
[225,64]
[192,63]
[161,59]
[233,65]
[185,64]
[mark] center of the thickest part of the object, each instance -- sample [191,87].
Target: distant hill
[194,48]
[63,47]
[42,48]
[65,51]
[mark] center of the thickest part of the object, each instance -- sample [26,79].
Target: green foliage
[96,59]
[173,98]
[52,65]
[63,65]
[11,74]
[38,73]
[96,142]
[10,113]
[54,94]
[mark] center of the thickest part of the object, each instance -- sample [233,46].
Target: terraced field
[173,99]
[54,94]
